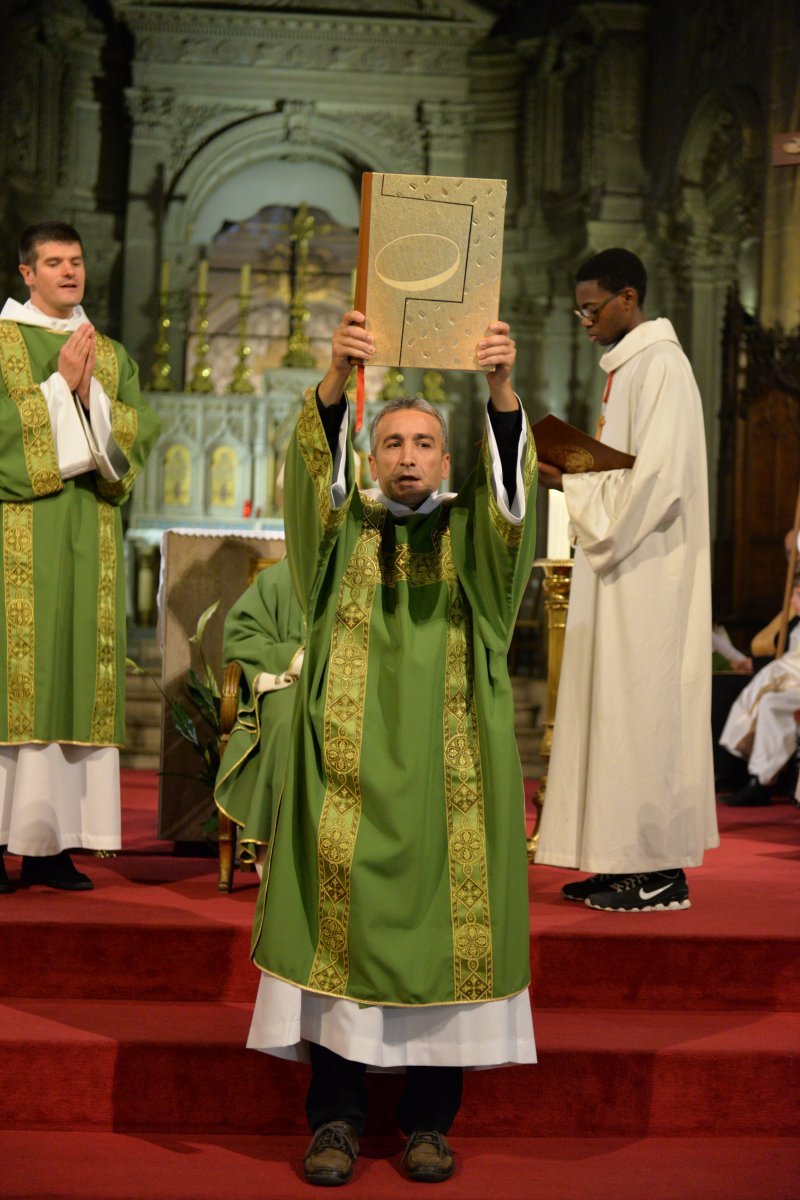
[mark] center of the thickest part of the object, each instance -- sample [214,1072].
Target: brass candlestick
[160,371]
[301,231]
[201,375]
[557,581]
[241,383]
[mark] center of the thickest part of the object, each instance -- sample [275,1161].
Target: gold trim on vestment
[32,741]
[105,688]
[303,987]
[508,532]
[38,446]
[317,455]
[466,833]
[124,418]
[20,624]
[344,726]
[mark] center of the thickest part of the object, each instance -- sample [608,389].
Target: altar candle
[202,276]
[165,275]
[244,280]
[557,525]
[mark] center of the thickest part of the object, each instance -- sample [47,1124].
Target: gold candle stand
[241,384]
[160,371]
[201,375]
[557,581]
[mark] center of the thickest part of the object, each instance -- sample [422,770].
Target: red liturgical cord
[601,420]
[360,396]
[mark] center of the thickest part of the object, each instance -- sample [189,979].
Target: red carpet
[668,1041]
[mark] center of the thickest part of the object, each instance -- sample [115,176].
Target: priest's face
[606,316]
[57,279]
[409,462]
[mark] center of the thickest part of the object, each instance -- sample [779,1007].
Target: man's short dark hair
[614,270]
[413,402]
[45,231]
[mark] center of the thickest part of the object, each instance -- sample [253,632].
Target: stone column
[150,113]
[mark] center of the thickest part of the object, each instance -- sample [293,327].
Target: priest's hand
[73,355]
[350,345]
[496,353]
[88,371]
[550,477]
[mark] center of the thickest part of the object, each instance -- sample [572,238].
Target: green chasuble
[398,868]
[62,580]
[264,631]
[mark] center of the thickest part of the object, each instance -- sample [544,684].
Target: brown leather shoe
[329,1159]
[427,1157]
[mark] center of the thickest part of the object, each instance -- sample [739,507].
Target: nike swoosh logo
[643,895]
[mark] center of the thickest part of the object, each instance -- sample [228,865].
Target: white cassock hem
[490,1034]
[56,796]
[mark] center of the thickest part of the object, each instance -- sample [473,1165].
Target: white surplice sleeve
[612,512]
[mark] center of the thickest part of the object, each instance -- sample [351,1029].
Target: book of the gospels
[430,253]
[573,451]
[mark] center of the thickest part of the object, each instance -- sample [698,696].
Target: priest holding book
[392,923]
[630,790]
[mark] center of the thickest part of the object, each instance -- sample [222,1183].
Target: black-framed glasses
[592,312]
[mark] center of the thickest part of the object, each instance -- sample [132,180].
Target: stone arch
[230,162]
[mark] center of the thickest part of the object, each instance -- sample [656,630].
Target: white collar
[402,510]
[639,338]
[29,314]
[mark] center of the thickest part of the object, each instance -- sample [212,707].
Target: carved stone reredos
[405,37]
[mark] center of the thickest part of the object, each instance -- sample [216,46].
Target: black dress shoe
[329,1159]
[5,883]
[753,793]
[55,871]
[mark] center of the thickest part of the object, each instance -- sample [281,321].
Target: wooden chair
[229,705]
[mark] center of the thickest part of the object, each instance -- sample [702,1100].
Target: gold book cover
[430,253]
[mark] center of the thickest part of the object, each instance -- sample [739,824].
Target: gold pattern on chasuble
[41,461]
[344,725]
[469,891]
[508,533]
[18,574]
[105,686]
[317,456]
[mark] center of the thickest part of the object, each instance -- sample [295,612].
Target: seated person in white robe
[761,726]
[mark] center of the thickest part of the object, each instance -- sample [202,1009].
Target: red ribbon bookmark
[359,396]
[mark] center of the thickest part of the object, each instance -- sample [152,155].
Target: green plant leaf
[202,621]
[184,723]
[203,699]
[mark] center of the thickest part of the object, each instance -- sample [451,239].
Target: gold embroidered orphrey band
[344,727]
[105,684]
[41,461]
[20,627]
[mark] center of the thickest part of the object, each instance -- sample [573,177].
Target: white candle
[557,525]
[202,276]
[244,280]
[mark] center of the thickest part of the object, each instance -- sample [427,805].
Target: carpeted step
[183,1166]
[157,928]
[95,1065]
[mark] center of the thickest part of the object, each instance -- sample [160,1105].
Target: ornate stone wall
[614,121]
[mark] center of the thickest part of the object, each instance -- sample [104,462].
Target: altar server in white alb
[630,790]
